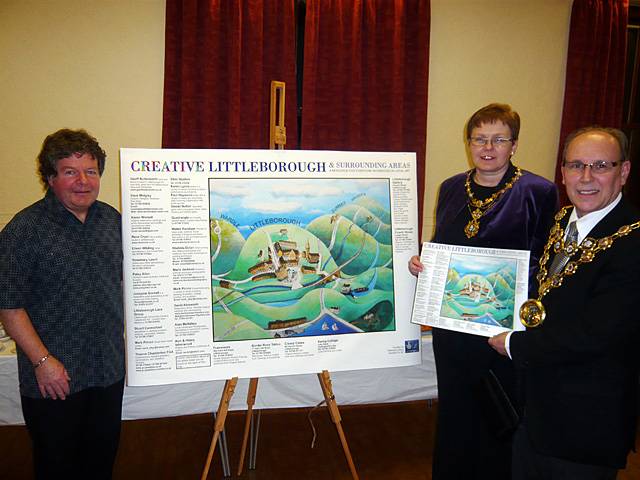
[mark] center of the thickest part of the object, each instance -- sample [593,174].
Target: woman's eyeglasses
[497,142]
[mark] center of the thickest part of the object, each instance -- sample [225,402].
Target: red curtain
[365,77]
[594,88]
[220,59]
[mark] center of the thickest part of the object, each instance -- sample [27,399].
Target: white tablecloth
[380,385]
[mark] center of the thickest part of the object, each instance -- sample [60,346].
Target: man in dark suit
[579,365]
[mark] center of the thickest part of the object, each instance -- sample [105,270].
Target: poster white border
[167,268]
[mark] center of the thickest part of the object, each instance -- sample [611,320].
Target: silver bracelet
[41,361]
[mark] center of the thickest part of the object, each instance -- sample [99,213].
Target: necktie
[561,258]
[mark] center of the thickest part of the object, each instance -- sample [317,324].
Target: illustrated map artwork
[307,257]
[480,290]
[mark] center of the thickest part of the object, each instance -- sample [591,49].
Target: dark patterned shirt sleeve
[15,264]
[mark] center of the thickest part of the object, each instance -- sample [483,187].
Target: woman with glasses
[496,204]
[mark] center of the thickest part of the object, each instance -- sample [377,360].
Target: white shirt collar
[585,223]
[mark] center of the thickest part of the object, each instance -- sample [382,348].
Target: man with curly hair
[61,301]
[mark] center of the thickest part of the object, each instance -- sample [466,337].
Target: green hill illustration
[328,271]
[226,244]
[368,221]
[479,298]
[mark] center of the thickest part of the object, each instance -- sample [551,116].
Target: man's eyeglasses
[597,167]
[497,142]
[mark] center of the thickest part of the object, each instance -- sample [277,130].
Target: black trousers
[466,445]
[76,438]
[530,465]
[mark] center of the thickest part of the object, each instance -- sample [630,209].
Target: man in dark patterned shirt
[61,301]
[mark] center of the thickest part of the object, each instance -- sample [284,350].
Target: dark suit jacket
[581,366]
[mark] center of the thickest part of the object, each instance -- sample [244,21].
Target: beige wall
[98,64]
[483,51]
[94,64]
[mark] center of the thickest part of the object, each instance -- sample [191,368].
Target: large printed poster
[257,263]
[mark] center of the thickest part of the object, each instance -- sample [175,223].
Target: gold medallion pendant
[477,208]
[532,313]
[472,228]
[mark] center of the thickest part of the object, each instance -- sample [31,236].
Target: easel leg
[253,448]
[327,390]
[251,400]
[224,453]
[229,387]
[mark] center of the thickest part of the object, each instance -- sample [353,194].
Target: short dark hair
[495,112]
[63,144]
[618,135]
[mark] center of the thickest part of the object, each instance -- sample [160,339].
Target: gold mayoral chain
[532,312]
[480,207]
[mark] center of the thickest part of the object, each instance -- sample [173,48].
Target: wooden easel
[330,399]
[327,390]
[251,400]
[223,409]
[277,140]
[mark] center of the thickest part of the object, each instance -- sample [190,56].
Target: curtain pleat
[220,59]
[594,88]
[365,77]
